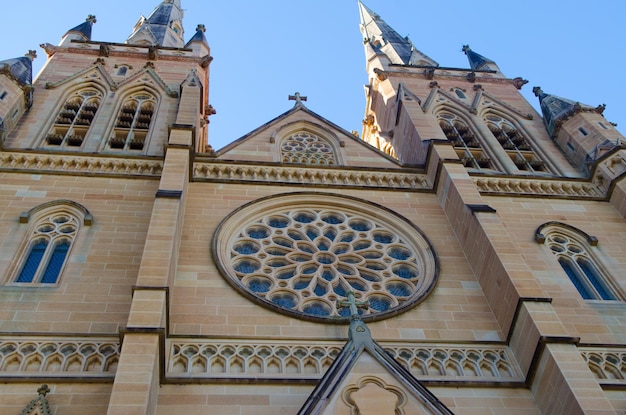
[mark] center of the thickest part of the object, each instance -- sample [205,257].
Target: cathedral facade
[462,255]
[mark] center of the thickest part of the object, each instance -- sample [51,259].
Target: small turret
[580,130]
[16,91]
[82,32]
[479,62]
[381,38]
[164,27]
[198,42]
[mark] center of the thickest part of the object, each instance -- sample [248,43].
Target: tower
[463,256]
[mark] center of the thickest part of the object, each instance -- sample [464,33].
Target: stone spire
[164,27]
[479,62]
[557,110]
[383,39]
[20,69]
[80,33]
[84,29]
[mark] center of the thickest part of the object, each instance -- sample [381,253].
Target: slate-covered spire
[84,29]
[20,69]
[164,26]
[479,62]
[556,110]
[383,39]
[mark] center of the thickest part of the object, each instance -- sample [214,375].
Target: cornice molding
[532,186]
[310,175]
[80,164]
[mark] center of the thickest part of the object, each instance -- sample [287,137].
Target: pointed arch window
[133,122]
[514,144]
[307,148]
[74,119]
[467,146]
[47,249]
[573,250]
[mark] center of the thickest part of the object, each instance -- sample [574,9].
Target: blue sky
[265,51]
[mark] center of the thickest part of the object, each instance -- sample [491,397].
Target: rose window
[305,257]
[308,149]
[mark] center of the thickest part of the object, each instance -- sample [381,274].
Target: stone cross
[297,97]
[354,305]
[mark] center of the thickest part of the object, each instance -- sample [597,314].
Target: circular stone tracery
[304,253]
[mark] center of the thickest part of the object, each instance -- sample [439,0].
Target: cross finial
[298,98]
[354,305]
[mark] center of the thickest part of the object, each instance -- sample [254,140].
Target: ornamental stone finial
[465,49]
[91,18]
[43,390]
[201,28]
[537,91]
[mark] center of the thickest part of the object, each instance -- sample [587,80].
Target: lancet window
[574,253]
[467,146]
[74,119]
[133,122]
[514,144]
[47,248]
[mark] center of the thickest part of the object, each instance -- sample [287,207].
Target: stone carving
[608,365]
[324,177]
[372,396]
[38,357]
[80,164]
[213,359]
[39,405]
[519,82]
[527,187]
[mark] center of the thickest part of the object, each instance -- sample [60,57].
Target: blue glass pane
[32,262]
[399,290]
[317,310]
[332,219]
[246,267]
[56,262]
[301,284]
[304,218]
[259,286]
[595,279]
[383,238]
[312,234]
[319,290]
[340,291]
[380,304]
[360,226]
[284,301]
[569,269]
[399,253]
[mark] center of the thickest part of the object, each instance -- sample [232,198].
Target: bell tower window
[514,144]
[466,144]
[73,121]
[133,123]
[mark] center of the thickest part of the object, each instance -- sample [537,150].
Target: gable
[371,389]
[276,142]
[366,380]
